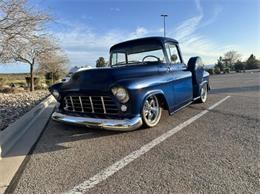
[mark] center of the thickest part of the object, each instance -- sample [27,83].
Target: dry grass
[16,78]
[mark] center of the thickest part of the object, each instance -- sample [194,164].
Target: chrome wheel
[204,94]
[152,111]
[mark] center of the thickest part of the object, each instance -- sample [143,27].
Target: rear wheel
[203,94]
[151,112]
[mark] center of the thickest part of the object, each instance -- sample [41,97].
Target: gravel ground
[13,106]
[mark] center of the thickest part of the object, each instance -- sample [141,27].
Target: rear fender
[204,83]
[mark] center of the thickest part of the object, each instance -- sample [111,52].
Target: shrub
[36,80]
[49,82]
[41,86]
[227,70]
[239,66]
[20,84]
[56,76]
[3,81]
[217,70]
[210,71]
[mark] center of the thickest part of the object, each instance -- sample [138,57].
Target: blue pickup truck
[144,77]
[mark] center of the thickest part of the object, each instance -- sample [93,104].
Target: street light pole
[164,29]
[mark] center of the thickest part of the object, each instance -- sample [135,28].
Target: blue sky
[208,28]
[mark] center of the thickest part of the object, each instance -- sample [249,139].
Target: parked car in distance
[145,76]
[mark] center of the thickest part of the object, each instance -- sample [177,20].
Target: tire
[151,111]
[203,94]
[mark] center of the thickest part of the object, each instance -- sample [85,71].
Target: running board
[196,98]
[181,107]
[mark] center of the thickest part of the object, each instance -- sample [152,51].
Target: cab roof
[145,40]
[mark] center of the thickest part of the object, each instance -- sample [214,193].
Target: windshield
[137,54]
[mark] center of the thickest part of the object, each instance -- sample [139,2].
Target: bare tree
[21,39]
[54,63]
[17,20]
[29,51]
[231,58]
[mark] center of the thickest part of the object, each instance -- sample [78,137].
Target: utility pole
[164,29]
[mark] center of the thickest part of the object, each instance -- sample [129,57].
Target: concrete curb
[18,138]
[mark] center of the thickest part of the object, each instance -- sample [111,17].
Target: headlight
[56,94]
[121,94]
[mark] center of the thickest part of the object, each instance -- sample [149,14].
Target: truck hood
[102,79]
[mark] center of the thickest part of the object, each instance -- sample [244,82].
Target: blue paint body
[174,83]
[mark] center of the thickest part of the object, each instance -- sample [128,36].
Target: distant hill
[209,66]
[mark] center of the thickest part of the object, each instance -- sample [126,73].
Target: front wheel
[151,112]
[203,94]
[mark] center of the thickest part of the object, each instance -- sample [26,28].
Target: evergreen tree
[100,62]
[220,64]
[252,63]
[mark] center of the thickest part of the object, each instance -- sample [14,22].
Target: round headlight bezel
[56,94]
[120,93]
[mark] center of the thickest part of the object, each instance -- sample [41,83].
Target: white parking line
[104,174]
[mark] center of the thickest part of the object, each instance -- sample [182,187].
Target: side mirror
[174,57]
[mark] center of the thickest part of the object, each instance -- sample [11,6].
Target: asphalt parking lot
[216,153]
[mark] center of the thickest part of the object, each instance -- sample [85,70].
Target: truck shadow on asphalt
[58,136]
[56,140]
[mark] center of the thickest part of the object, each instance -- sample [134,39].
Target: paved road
[218,153]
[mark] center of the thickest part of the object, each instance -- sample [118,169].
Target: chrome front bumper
[108,124]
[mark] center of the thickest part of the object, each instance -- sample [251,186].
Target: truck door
[182,82]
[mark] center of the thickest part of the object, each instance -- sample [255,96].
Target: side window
[173,53]
[118,58]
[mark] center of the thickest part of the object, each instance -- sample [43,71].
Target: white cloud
[187,28]
[139,32]
[199,7]
[161,30]
[115,9]
[194,43]
[84,46]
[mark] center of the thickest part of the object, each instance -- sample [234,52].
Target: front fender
[140,88]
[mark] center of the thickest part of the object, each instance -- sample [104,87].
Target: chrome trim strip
[181,108]
[91,103]
[72,104]
[108,124]
[82,109]
[66,104]
[103,105]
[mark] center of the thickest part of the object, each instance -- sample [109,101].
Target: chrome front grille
[90,104]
